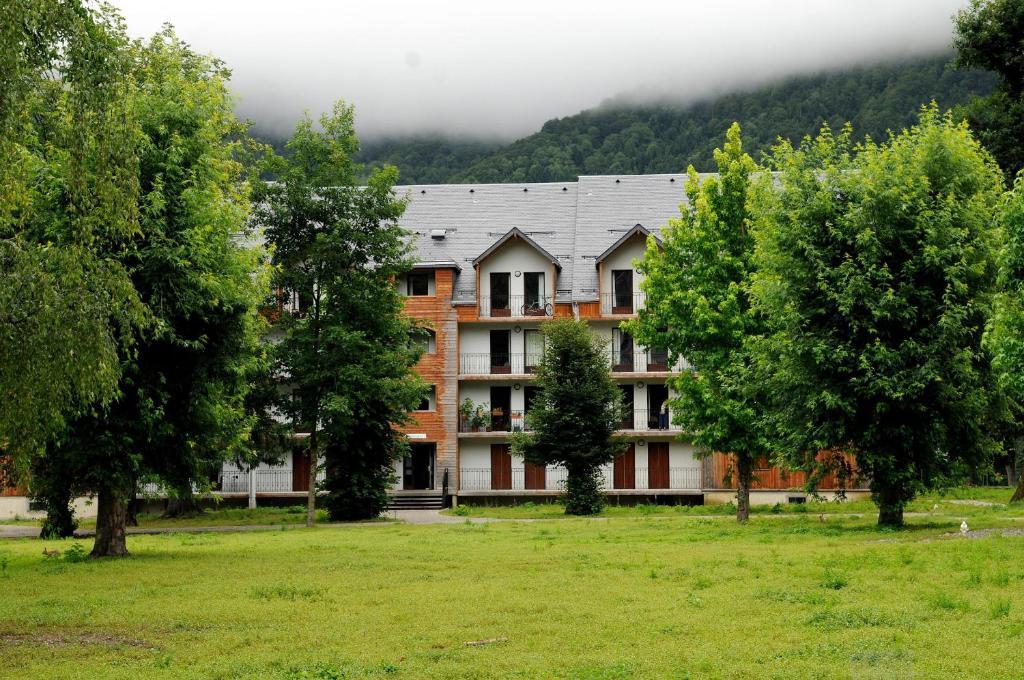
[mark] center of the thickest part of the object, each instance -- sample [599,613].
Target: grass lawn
[288,515]
[626,597]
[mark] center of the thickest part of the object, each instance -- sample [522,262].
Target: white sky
[479,68]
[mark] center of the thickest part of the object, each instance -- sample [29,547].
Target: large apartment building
[494,261]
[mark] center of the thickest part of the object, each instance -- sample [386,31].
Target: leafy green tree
[990,36]
[345,359]
[68,202]
[1007,334]
[181,409]
[877,269]
[698,308]
[577,411]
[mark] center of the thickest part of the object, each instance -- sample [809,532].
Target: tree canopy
[877,266]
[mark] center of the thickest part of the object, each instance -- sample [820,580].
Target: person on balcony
[663,416]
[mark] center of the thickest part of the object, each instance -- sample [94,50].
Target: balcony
[486,363]
[516,306]
[514,421]
[643,420]
[628,304]
[268,480]
[684,479]
[639,361]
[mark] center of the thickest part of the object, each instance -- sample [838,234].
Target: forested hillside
[666,138]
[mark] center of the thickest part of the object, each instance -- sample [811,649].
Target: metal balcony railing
[267,480]
[640,360]
[517,306]
[513,421]
[487,363]
[644,420]
[626,304]
[678,479]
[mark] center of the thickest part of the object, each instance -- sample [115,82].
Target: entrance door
[300,470]
[500,354]
[418,467]
[624,470]
[501,408]
[501,467]
[622,291]
[657,465]
[535,475]
[500,294]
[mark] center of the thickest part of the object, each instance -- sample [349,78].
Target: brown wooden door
[624,470]
[657,465]
[300,470]
[501,467]
[535,476]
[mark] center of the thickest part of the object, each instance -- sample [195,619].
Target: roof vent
[564,189]
[423,191]
[438,234]
[671,179]
[525,189]
[472,190]
[618,181]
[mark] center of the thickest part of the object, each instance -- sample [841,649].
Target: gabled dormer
[516,277]
[618,280]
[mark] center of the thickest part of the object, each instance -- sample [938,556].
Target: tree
[877,269]
[181,408]
[698,308]
[1007,333]
[576,413]
[989,36]
[345,360]
[68,200]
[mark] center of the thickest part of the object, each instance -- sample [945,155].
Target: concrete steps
[415,500]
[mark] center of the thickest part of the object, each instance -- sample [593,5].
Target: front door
[501,408]
[501,358]
[624,470]
[657,465]
[501,467]
[535,475]
[300,470]
[418,467]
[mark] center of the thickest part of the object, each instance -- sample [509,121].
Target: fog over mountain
[500,70]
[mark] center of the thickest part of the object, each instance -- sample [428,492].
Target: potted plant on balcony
[466,409]
[482,417]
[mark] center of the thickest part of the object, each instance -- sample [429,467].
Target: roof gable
[515,233]
[638,230]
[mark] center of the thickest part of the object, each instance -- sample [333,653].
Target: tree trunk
[184,505]
[890,504]
[111,518]
[1018,495]
[313,461]
[744,475]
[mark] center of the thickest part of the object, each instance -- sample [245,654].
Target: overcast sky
[479,68]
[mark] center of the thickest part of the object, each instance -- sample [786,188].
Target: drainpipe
[252,487]
[576,310]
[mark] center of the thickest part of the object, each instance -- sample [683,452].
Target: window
[426,342]
[622,291]
[500,284]
[533,288]
[622,350]
[418,283]
[534,345]
[429,400]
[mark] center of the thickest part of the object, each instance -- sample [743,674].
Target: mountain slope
[666,138]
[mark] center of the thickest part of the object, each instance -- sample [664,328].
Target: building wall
[516,256]
[623,258]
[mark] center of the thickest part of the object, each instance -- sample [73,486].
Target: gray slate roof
[573,221]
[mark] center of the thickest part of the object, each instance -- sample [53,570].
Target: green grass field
[787,596]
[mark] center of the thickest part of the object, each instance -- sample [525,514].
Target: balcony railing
[622,305]
[267,480]
[486,363]
[513,421]
[516,306]
[639,360]
[679,479]
[644,420]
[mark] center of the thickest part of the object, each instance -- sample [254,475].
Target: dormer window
[418,283]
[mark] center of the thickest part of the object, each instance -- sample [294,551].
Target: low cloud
[490,69]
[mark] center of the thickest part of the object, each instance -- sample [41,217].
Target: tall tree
[68,204]
[698,308]
[344,358]
[990,36]
[181,408]
[1007,335]
[577,411]
[877,269]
